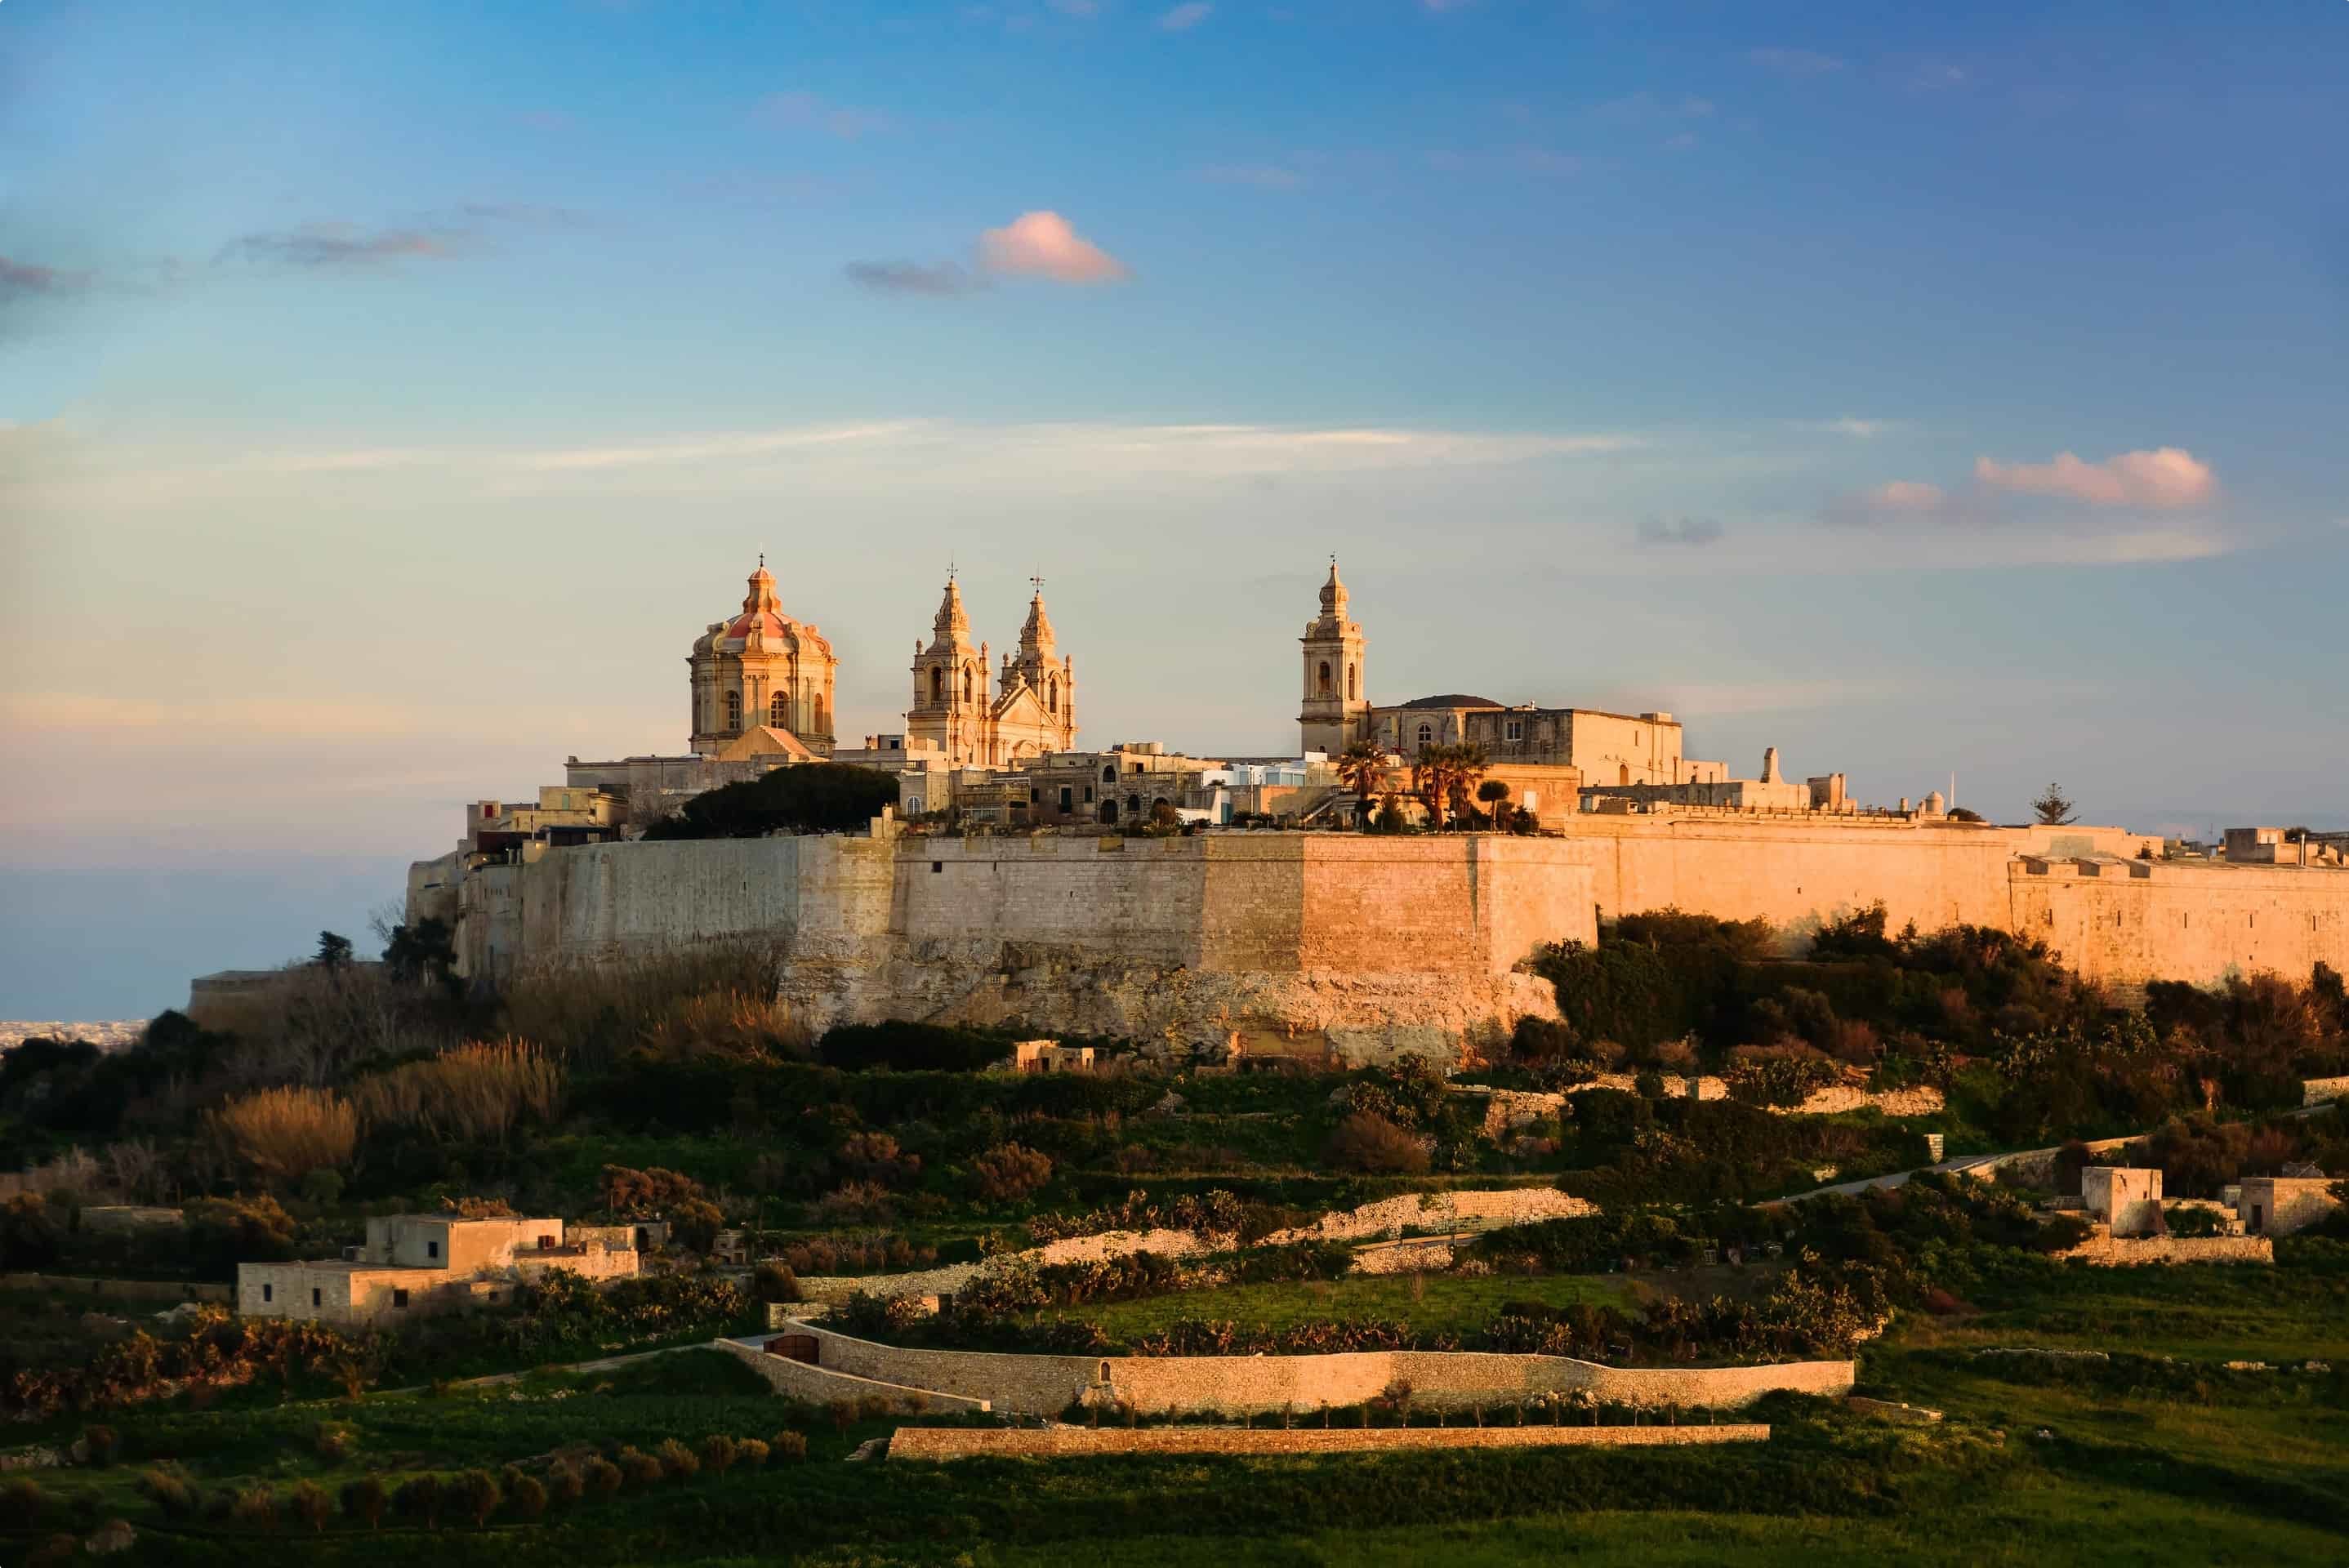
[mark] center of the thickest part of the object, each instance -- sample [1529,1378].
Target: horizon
[389,405]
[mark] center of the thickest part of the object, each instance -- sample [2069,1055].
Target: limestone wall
[798,1381]
[938,1444]
[2314,1091]
[1045,1385]
[2106,1251]
[2138,921]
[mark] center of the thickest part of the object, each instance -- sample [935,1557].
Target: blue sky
[389,394]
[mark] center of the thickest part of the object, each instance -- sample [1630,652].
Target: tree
[805,798]
[1359,767]
[1496,795]
[334,952]
[1443,776]
[425,951]
[2056,807]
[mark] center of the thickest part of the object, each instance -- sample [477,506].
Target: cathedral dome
[762,622]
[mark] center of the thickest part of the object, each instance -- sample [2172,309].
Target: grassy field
[1443,1303]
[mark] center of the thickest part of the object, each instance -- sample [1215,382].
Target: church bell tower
[1337,708]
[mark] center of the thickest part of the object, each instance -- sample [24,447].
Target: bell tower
[950,685]
[1337,706]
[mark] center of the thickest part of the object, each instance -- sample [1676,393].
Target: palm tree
[1359,767]
[1468,776]
[1442,777]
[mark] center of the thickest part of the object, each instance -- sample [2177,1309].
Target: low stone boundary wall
[2128,1252]
[798,1381]
[2323,1090]
[940,1444]
[1507,1108]
[1442,1213]
[123,1290]
[1047,1385]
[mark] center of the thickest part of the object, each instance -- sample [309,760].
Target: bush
[526,1496]
[335,1443]
[718,1454]
[475,1495]
[677,1461]
[101,1444]
[638,1467]
[751,1452]
[1373,1145]
[363,1501]
[602,1477]
[910,1047]
[471,1094]
[1011,1172]
[256,1507]
[775,1283]
[565,1484]
[309,1503]
[168,1490]
[420,1498]
[2195,1222]
[22,1503]
[787,1445]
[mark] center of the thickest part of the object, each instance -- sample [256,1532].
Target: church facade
[981,719]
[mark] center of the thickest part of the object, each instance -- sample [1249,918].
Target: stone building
[1030,712]
[415,1263]
[1336,711]
[762,670]
[2280,1205]
[2127,1199]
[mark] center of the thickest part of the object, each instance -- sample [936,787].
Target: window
[966,683]
[1089,794]
[938,685]
[1354,682]
[314,1295]
[268,1293]
[1426,734]
[1109,774]
[1034,795]
[1068,797]
[1052,697]
[431,1249]
[1515,729]
[778,711]
[400,1298]
[1325,678]
[733,710]
[937,865]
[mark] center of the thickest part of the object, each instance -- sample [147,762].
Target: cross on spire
[1039,581]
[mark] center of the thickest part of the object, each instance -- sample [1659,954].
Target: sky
[388,395]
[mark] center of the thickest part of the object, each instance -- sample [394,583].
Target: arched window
[966,683]
[778,712]
[1325,678]
[822,717]
[1109,774]
[1426,734]
[938,685]
[733,710]
[1354,682]
[1052,695]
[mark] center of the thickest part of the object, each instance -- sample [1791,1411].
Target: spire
[951,629]
[1036,638]
[762,591]
[1333,595]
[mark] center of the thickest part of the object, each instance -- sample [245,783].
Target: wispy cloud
[1263,176]
[2166,478]
[1690,531]
[1184,18]
[1796,63]
[1850,425]
[809,110]
[941,280]
[1044,245]
[326,246]
[26,280]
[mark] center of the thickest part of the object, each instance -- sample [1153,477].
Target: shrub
[309,1503]
[168,1490]
[363,1501]
[335,1443]
[788,1446]
[910,1047]
[602,1477]
[718,1454]
[101,1444]
[812,797]
[1011,1172]
[775,1282]
[677,1461]
[256,1507]
[526,1496]
[751,1452]
[475,1495]
[693,1224]
[639,1467]
[2196,1221]
[22,1503]
[472,1094]
[565,1484]
[284,1134]
[420,1498]
[1374,1146]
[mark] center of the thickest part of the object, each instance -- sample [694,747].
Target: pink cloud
[1906,495]
[2169,478]
[1044,245]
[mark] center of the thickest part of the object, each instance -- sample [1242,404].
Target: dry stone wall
[2105,1251]
[799,1380]
[939,1444]
[1046,1385]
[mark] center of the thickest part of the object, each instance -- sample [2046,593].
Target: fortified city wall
[1364,946]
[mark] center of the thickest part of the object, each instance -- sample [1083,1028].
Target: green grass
[1443,1303]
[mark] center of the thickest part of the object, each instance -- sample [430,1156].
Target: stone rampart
[1046,1385]
[939,1444]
